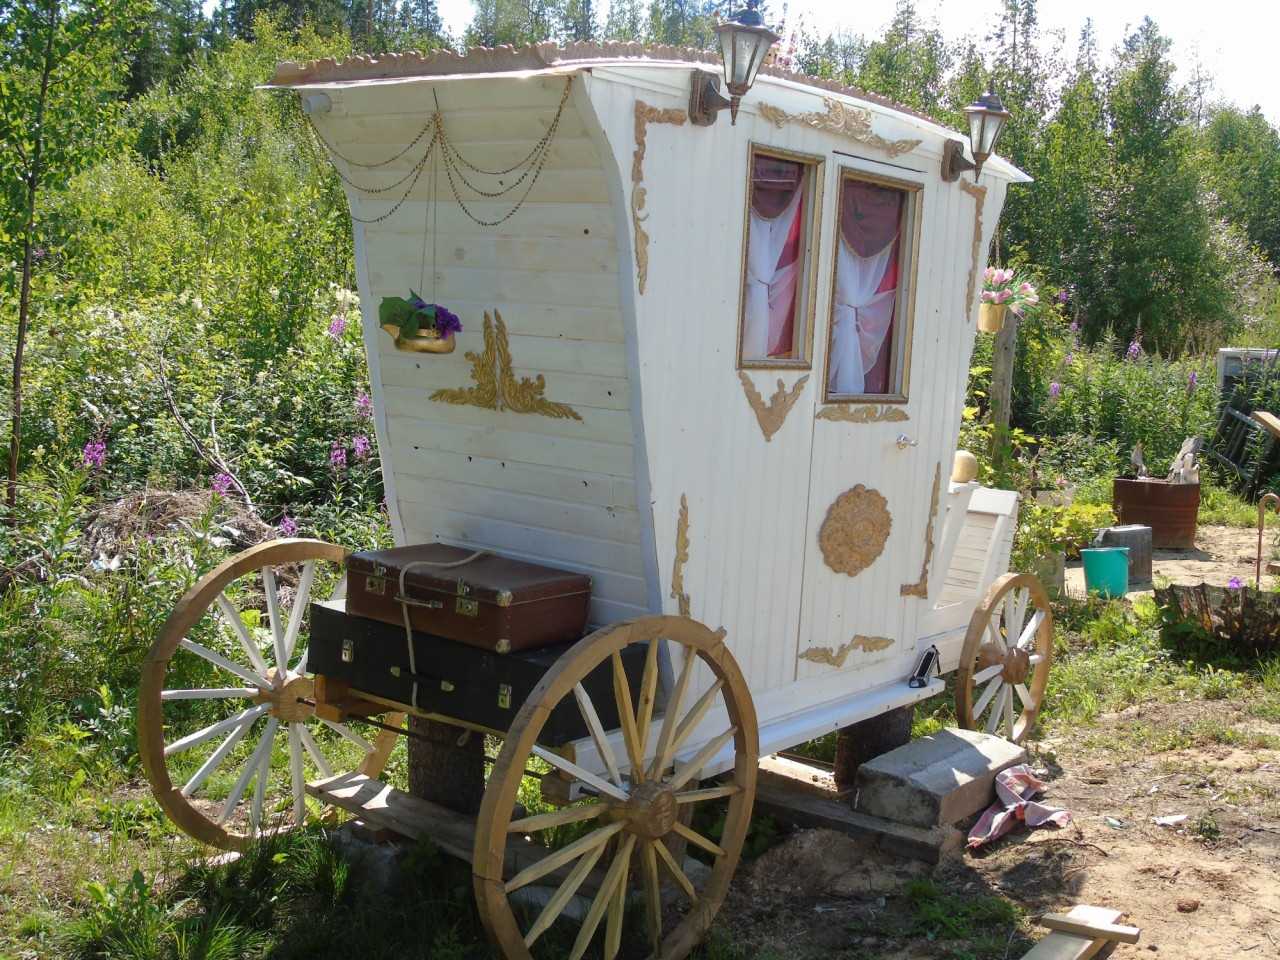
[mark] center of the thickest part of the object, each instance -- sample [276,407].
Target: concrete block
[1138,539]
[936,780]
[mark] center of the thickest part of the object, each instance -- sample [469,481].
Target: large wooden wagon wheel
[1004,665]
[631,814]
[253,706]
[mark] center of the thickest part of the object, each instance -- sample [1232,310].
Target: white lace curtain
[866,289]
[770,294]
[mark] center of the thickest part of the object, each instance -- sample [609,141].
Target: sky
[1233,40]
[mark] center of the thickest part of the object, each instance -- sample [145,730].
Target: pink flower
[1068,358]
[337,456]
[1075,326]
[222,484]
[1134,351]
[1027,289]
[1235,583]
[362,446]
[364,405]
[989,274]
[1003,295]
[337,326]
[94,454]
[1004,276]
[288,526]
[1055,390]
[988,296]
[1192,380]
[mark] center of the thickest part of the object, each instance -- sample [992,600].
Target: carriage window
[870,308]
[777,280]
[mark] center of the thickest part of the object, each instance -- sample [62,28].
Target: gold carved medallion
[771,415]
[842,120]
[496,386]
[836,658]
[864,413]
[854,532]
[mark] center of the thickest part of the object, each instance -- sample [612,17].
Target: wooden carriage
[719,367]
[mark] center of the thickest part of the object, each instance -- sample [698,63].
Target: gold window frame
[806,309]
[904,309]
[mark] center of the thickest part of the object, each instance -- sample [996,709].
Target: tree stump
[863,741]
[442,770]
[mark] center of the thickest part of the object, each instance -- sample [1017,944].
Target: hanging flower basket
[991,317]
[419,326]
[1002,289]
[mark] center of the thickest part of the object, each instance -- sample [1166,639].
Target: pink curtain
[775,232]
[867,275]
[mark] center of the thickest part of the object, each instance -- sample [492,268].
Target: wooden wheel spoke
[590,779]
[296,779]
[988,692]
[673,868]
[262,775]
[1028,634]
[271,590]
[556,818]
[1008,712]
[215,759]
[261,752]
[617,913]
[695,715]
[300,600]
[689,770]
[211,731]
[553,861]
[648,692]
[1024,696]
[708,793]
[233,617]
[313,748]
[993,627]
[616,874]
[993,722]
[982,676]
[342,730]
[662,752]
[211,693]
[601,739]
[697,839]
[218,660]
[555,906]
[652,894]
[627,717]
[1035,658]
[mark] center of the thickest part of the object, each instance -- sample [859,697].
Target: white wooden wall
[558,491]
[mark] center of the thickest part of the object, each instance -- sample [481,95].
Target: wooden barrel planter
[1169,509]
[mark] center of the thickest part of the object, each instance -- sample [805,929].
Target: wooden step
[1070,946]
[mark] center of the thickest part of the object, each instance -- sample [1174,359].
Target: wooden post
[1002,386]
[441,770]
[863,741]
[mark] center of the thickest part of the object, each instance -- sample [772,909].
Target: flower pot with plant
[417,325]
[1002,290]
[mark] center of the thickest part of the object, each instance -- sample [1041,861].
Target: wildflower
[1055,390]
[362,446]
[1235,583]
[222,484]
[364,405]
[337,456]
[1003,295]
[288,526]
[337,326]
[1134,351]
[94,454]
[1192,380]
[1075,326]
[447,321]
[1063,295]
[1069,358]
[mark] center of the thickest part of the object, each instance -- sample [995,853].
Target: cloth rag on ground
[1015,788]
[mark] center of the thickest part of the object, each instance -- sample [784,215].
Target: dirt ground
[1220,553]
[1205,889]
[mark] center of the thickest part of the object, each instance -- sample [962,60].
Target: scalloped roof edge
[537,56]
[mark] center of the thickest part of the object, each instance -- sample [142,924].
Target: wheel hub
[1017,664]
[284,696]
[651,811]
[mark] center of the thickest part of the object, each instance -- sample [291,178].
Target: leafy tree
[61,71]
[1242,153]
[909,63]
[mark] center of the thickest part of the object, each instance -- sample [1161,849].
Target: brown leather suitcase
[472,596]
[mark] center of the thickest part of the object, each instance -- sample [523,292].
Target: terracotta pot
[1169,509]
[991,316]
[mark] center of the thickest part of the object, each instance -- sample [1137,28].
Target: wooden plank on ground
[1269,421]
[1068,946]
[1089,928]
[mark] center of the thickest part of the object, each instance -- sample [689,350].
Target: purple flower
[362,446]
[222,484]
[337,456]
[364,405]
[447,321]
[1134,351]
[1192,380]
[1063,296]
[1055,389]
[1069,358]
[1075,326]
[288,526]
[94,454]
[337,326]
[1235,583]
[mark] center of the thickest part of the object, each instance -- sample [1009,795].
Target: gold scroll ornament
[645,115]
[771,415]
[921,587]
[496,386]
[836,658]
[864,413]
[979,195]
[854,532]
[682,557]
[842,120]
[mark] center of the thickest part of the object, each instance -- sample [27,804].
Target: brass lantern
[744,43]
[987,118]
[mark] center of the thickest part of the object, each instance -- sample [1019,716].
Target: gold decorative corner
[645,115]
[842,120]
[682,557]
[771,415]
[979,195]
[864,413]
[836,658]
[921,587]
[496,386]
[854,532]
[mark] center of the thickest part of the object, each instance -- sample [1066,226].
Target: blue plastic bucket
[1106,571]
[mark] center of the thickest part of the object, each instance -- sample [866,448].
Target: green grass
[1221,506]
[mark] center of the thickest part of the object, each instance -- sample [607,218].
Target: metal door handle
[904,441]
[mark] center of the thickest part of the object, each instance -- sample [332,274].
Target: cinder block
[935,780]
[1138,539]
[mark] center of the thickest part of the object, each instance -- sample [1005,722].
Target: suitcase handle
[405,603]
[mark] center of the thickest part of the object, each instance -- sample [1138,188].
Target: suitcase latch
[504,696]
[375,586]
[467,607]
[348,651]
